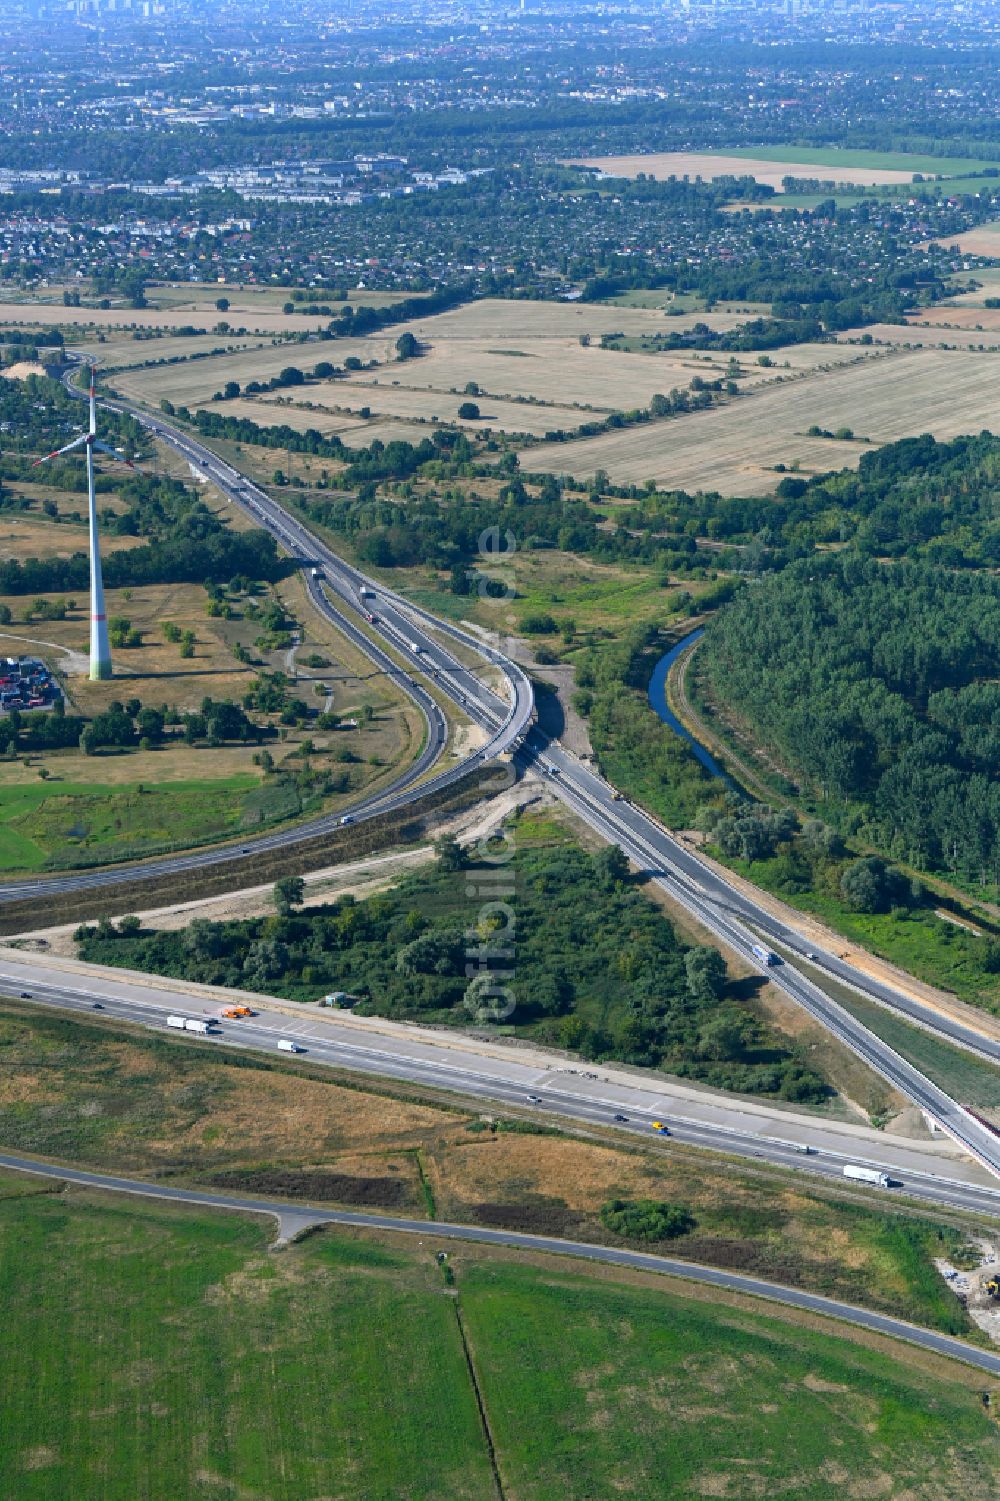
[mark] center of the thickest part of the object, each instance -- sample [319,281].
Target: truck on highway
[415,647]
[285,1045]
[867,1175]
[188,1024]
[365,593]
[764,954]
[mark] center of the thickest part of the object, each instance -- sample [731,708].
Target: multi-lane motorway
[402,631]
[298,1216]
[516,1078]
[392,642]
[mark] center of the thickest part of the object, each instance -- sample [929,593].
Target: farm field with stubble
[734,449]
[179,1357]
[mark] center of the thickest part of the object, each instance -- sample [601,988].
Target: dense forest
[877,685]
[593,965]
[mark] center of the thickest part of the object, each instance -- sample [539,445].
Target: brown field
[125,350]
[297,1136]
[947,316]
[195,383]
[156,672]
[387,400]
[533,379]
[708,165]
[593,380]
[27,537]
[915,335]
[983,240]
[34,314]
[733,449]
[249,298]
[498,320]
[357,432]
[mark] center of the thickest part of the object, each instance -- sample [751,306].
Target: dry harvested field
[733,449]
[386,400]
[357,432]
[563,373]
[194,383]
[511,350]
[499,321]
[252,299]
[917,336]
[946,316]
[28,536]
[123,349]
[33,315]
[983,240]
[707,165]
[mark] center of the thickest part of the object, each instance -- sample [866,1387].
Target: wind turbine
[100,650]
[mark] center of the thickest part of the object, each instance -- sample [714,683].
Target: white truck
[415,647]
[765,955]
[867,1175]
[188,1024]
[285,1045]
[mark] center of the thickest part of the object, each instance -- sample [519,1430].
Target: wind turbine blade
[56,452]
[104,448]
[93,404]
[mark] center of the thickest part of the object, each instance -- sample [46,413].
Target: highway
[335,589]
[298,1216]
[517,1079]
[734,919]
[737,923]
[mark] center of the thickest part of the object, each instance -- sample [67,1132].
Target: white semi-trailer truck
[187,1024]
[867,1175]
[765,955]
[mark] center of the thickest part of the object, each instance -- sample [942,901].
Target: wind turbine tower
[100,650]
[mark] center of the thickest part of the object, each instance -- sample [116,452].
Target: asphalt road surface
[525,1083]
[397,631]
[736,920]
[301,1215]
[741,924]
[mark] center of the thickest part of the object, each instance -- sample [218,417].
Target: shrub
[646,1219]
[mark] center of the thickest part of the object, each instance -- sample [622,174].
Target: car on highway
[97,1006]
[616,796]
[25,995]
[346,820]
[371,619]
[620,1117]
[533,1099]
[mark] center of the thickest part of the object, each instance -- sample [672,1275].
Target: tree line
[598,968]
[876,685]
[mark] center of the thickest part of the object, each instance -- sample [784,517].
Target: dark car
[621,1117]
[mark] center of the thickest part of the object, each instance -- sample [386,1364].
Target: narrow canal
[658,702]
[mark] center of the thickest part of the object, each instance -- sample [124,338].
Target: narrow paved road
[302,1215]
